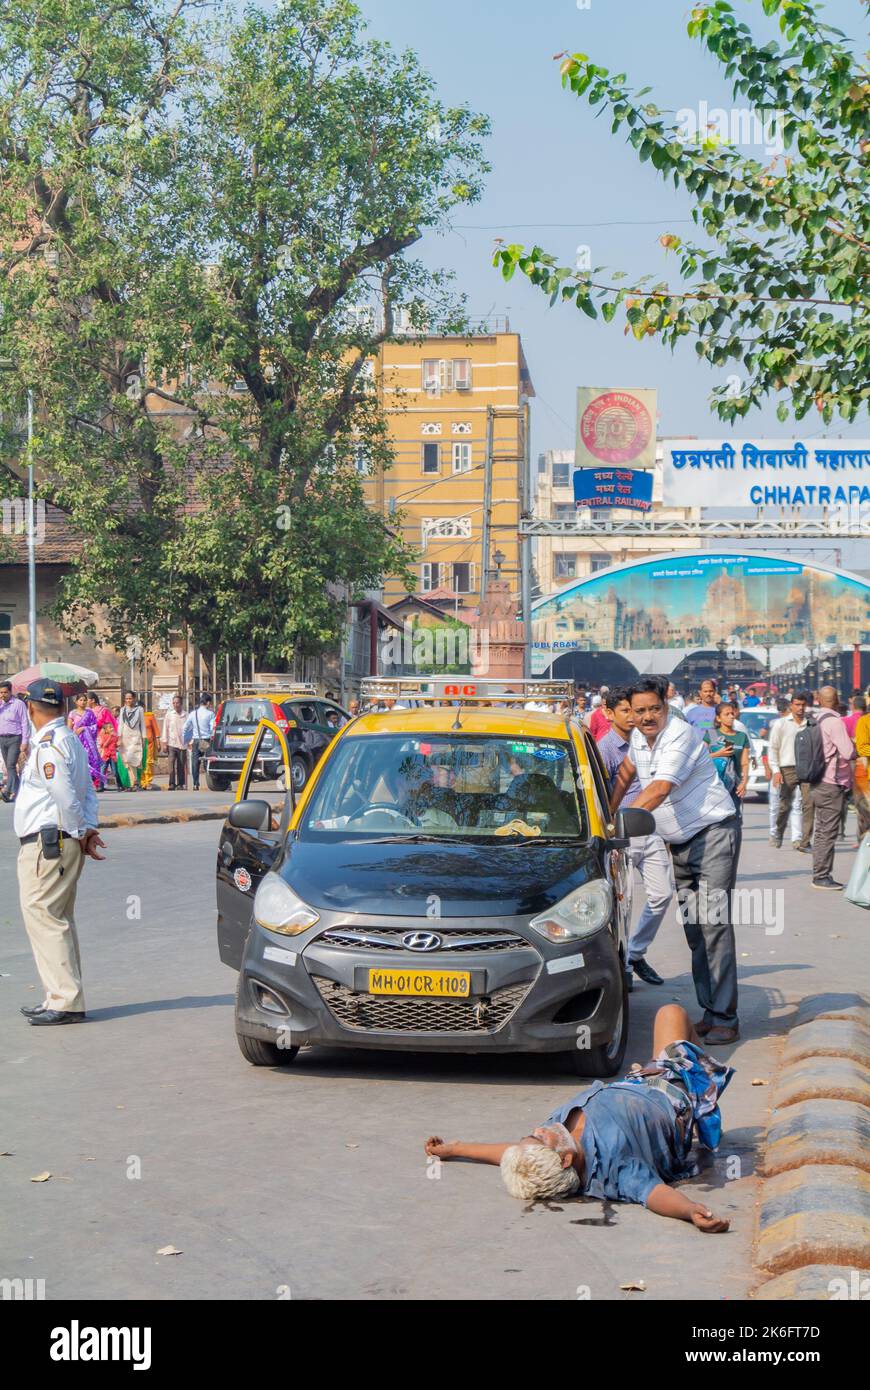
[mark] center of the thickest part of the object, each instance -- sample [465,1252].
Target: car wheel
[216,782]
[607,1058]
[298,773]
[265,1054]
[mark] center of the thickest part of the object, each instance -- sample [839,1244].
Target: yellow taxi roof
[522,723]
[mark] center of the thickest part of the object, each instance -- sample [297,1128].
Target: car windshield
[446,786]
[758,721]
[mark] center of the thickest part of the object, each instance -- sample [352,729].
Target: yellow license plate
[437,984]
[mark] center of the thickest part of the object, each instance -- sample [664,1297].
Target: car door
[618,864]
[245,855]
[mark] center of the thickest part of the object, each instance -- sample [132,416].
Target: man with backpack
[824,754]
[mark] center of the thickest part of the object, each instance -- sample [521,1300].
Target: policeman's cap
[45,692]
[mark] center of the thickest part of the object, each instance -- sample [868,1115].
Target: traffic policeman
[56,822]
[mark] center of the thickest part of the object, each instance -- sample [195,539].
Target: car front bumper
[318,991]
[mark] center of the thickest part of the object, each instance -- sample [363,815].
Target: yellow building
[450,402]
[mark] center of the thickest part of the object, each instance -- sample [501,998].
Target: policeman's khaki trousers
[47,904]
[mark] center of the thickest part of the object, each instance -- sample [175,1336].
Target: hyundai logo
[421,941]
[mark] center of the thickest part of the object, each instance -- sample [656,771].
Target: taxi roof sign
[464,689]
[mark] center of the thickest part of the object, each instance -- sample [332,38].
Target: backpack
[809,753]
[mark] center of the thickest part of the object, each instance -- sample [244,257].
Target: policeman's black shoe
[644,971]
[49,1017]
[827,881]
[31,1010]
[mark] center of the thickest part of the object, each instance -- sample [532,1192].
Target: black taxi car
[449,880]
[307,721]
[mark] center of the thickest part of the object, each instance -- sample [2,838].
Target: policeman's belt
[31,839]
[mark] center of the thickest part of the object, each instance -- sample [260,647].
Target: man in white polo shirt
[695,815]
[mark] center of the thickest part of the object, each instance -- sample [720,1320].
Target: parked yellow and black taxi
[448,881]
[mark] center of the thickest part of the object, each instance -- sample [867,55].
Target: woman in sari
[131,741]
[152,748]
[83,723]
[107,735]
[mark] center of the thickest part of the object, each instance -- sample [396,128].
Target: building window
[463,578]
[462,373]
[446,374]
[5,631]
[598,563]
[429,576]
[565,566]
[461,458]
[561,475]
[564,511]
[361,461]
[431,458]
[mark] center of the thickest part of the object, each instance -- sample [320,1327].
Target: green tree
[205,229]
[780,283]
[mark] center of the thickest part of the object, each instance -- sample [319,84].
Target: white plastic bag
[858,887]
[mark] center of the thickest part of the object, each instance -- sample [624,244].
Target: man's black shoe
[48,1017]
[644,971]
[828,882]
[804,849]
[31,1010]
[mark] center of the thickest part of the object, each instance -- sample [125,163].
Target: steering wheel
[383,809]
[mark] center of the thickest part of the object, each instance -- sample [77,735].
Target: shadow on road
[151,1006]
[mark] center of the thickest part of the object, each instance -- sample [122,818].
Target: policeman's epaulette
[49,739]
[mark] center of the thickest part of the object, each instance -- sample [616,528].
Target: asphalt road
[311,1183]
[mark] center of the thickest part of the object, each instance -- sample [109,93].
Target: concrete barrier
[818,1131]
[814,1215]
[823,1078]
[817,1214]
[823,1283]
[828,1037]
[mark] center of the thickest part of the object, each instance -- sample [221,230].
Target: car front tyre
[265,1054]
[217,782]
[607,1058]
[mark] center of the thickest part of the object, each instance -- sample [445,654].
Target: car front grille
[381,1013]
[390,939]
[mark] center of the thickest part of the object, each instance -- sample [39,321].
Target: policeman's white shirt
[56,787]
[698,796]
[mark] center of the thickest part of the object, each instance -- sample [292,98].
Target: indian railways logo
[616,428]
[421,941]
[242,880]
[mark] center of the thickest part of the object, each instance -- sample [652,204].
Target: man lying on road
[626,1141]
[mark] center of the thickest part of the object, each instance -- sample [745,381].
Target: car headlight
[278,908]
[583,912]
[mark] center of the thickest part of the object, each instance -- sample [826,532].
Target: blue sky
[554,163]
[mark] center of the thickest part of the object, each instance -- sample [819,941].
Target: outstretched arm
[666,1201]
[478,1153]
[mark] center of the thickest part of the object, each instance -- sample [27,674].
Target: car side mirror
[250,815]
[632,824]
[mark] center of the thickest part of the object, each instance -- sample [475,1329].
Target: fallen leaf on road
[351,1146]
[758,1081]
[169,1250]
[7,1153]
[836,936]
[636,1285]
[41,1177]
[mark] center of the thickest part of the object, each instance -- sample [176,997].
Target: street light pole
[31,535]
